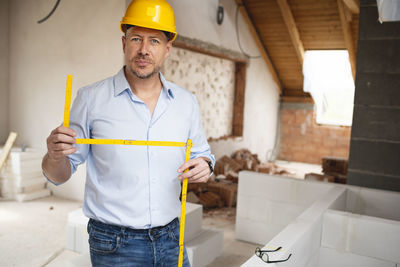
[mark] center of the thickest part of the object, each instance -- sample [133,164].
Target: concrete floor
[235,252]
[33,234]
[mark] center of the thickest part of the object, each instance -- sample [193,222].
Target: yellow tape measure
[67,101]
[183,207]
[188,145]
[128,142]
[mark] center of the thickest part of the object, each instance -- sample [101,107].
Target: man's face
[145,51]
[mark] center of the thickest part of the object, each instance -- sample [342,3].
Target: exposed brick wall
[303,140]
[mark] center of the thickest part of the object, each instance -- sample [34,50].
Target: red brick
[343,141]
[285,130]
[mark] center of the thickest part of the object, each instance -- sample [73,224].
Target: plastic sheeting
[389,10]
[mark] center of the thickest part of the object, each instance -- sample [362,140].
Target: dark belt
[174,222]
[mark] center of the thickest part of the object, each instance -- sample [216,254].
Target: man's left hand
[199,171]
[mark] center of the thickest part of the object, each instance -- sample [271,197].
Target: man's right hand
[55,164]
[60,143]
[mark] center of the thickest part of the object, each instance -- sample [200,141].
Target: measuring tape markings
[183,206]
[129,142]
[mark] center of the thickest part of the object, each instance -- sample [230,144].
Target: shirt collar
[121,84]
[166,86]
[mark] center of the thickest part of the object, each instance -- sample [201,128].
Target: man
[132,192]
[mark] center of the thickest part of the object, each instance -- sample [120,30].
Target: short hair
[169,35]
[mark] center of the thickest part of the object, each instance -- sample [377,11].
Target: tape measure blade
[183,207]
[67,105]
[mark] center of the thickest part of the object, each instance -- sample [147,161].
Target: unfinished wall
[197,20]
[4,49]
[77,39]
[303,140]
[211,79]
[375,139]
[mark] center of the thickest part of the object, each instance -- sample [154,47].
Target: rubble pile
[334,170]
[221,190]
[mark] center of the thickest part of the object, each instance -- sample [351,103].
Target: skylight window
[328,78]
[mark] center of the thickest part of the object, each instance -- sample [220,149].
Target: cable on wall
[51,12]
[237,33]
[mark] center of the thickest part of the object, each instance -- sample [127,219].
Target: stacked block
[336,228]
[21,178]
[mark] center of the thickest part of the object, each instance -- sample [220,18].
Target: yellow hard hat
[153,14]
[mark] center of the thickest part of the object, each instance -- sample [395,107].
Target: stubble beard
[145,76]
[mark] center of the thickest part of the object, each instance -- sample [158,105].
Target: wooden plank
[292,29]
[348,39]
[7,148]
[238,106]
[348,15]
[296,99]
[209,49]
[353,6]
[259,43]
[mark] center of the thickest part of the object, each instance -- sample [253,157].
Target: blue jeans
[116,246]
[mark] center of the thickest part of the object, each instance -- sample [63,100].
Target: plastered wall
[81,38]
[4,48]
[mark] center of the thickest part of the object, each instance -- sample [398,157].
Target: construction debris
[221,190]
[225,164]
[227,192]
[244,158]
[271,168]
[192,197]
[210,200]
[319,177]
[336,167]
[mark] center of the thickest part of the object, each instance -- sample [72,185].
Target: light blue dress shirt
[134,186]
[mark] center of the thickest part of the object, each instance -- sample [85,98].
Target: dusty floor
[33,233]
[235,252]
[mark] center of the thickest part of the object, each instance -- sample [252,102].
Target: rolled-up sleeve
[200,147]
[79,122]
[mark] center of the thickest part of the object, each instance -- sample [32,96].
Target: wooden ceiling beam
[297,99]
[353,5]
[348,39]
[259,43]
[292,28]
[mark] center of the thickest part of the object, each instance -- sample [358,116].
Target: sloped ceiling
[287,28]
